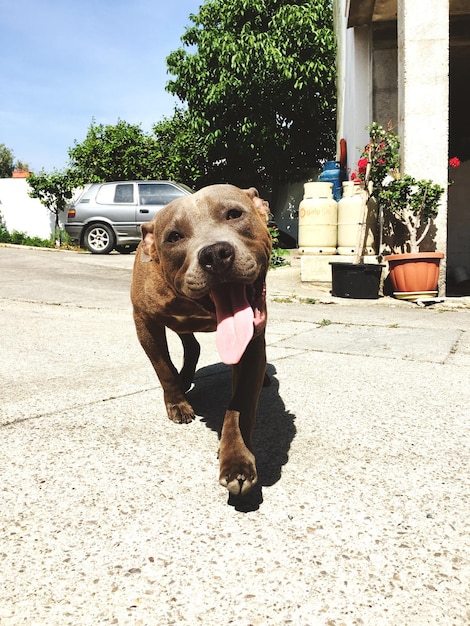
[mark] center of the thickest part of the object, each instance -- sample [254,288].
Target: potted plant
[359,279]
[413,204]
[407,208]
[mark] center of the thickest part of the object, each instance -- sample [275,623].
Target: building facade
[406,62]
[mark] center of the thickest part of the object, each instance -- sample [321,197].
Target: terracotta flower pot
[414,272]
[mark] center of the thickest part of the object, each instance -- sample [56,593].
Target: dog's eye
[233,214]
[174,236]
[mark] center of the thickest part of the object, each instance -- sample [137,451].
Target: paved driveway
[110,514]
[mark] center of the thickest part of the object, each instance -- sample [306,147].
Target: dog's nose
[217,258]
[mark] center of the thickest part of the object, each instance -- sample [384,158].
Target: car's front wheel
[99,239]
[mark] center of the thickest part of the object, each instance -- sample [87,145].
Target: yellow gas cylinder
[350,215]
[318,217]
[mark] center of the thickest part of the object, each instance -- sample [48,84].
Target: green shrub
[22,239]
[4,236]
[277,253]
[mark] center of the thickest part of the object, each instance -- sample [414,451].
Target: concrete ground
[111,514]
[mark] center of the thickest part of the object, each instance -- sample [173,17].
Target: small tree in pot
[413,203]
[403,201]
[401,198]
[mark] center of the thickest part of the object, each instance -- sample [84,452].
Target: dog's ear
[260,204]
[148,242]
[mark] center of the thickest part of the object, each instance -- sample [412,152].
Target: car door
[117,203]
[153,196]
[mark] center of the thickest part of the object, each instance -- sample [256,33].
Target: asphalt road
[111,514]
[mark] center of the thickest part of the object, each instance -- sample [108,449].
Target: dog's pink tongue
[234,322]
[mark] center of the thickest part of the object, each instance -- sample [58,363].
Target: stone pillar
[423,98]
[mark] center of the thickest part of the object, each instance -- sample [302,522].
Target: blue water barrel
[332,173]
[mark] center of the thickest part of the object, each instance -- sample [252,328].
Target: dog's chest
[186,316]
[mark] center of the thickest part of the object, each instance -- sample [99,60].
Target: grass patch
[285,300]
[294,299]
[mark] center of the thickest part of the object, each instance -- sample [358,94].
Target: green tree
[21,165]
[119,152]
[54,190]
[173,151]
[258,77]
[181,152]
[6,161]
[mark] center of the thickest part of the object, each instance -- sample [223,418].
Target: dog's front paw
[238,472]
[180,412]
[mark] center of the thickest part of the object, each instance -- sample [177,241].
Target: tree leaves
[259,77]
[54,190]
[119,152]
[257,83]
[174,150]
[6,161]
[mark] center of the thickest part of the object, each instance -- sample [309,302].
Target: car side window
[124,193]
[159,193]
[110,193]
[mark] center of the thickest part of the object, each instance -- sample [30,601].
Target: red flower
[362,165]
[454,162]
[353,175]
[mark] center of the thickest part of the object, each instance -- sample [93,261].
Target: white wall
[22,213]
[423,97]
[25,214]
[354,84]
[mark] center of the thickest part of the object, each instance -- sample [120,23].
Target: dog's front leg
[192,350]
[152,337]
[236,459]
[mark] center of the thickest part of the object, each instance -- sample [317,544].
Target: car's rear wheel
[99,239]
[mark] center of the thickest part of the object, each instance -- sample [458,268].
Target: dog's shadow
[273,432]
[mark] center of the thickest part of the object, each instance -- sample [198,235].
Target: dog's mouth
[241,312]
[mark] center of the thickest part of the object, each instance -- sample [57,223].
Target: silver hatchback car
[107,216]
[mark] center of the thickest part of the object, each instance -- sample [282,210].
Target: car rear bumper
[74,231]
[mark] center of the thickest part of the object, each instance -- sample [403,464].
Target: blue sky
[65,62]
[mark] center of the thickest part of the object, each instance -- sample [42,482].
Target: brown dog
[200,267]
